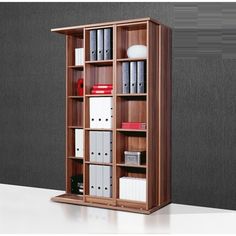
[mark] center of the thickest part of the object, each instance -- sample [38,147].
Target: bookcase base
[78,200]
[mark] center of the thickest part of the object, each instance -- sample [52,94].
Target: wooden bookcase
[152,107]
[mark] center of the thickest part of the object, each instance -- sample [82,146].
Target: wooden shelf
[100,62]
[131,95]
[98,163]
[98,129]
[76,67]
[75,158]
[132,59]
[76,97]
[132,130]
[128,165]
[151,107]
[75,127]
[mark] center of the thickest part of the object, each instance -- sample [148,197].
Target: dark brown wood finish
[152,107]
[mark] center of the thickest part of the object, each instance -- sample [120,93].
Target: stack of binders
[133,189]
[101,110]
[102,89]
[100,180]
[79,142]
[79,56]
[100,146]
[101,44]
[133,77]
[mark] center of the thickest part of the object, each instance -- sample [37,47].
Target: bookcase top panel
[79,29]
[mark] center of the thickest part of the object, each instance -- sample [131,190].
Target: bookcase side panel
[153,116]
[165,116]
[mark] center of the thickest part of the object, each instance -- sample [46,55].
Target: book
[102,86]
[101,91]
[133,125]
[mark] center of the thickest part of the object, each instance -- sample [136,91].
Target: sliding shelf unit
[152,107]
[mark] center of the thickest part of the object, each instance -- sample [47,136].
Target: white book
[79,142]
[79,56]
[122,188]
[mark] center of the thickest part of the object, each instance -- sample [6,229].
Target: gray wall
[32,90]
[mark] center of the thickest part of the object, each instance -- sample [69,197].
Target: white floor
[29,210]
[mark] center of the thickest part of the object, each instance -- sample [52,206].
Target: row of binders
[101,44]
[133,77]
[101,112]
[100,181]
[100,146]
[133,189]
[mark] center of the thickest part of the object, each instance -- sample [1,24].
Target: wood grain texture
[151,108]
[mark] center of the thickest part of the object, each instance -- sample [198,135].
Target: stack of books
[102,89]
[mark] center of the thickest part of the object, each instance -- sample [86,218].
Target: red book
[99,91]
[133,125]
[102,86]
[80,87]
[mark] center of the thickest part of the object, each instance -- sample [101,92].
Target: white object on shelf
[137,51]
[79,56]
[132,189]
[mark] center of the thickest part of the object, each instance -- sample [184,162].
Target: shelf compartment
[130,109]
[125,171]
[73,76]
[74,167]
[87,44]
[119,79]
[98,75]
[71,144]
[128,35]
[74,41]
[75,113]
[129,141]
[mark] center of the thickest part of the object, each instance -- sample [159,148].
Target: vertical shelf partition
[152,107]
